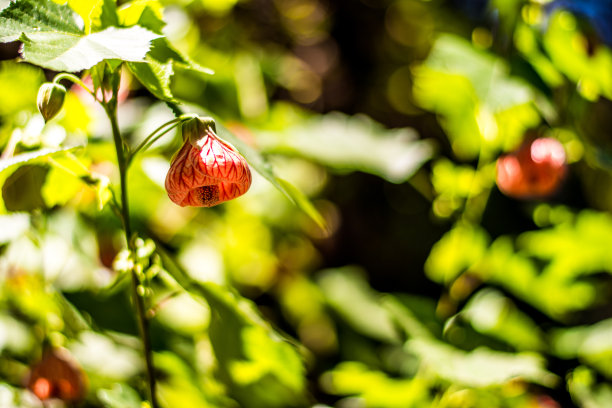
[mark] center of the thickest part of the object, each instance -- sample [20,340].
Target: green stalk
[143,323]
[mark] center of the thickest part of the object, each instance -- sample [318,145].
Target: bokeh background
[428,286]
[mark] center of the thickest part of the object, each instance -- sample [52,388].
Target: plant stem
[143,323]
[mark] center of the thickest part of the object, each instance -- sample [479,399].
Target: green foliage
[53,39]
[373,262]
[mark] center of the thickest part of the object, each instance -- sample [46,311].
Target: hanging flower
[207,170]
[57,376]
[536,170]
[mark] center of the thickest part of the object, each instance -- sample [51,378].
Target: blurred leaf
[376,388]
[574,248]
[119,396]
[348,144]
[96,14]
[591,344]
[481,367]
[553,294]
[22,190]
[60,187]
[406,317]
[568,50]
[145,13]
[585,390]
[13,226]
[262,368]
[349,295]
[469,88]
[101,357]
[21,82]
[493,314]
[178,388]
[53,39]
[455,252]
[15,336]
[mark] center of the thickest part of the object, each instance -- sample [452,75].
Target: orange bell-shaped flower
[207,170]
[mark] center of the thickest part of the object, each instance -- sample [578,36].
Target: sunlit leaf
[145,13]
[119,396]
[21,82]
[21,190]
[591,344]
[348,293]
[263,369]
[53,39]
[179,387]
[348,144]
[491,313]
[97,14]
[376,388]
[458,250]
[568,50]
[586,391]
[481,367]
[154,76]
[468,88]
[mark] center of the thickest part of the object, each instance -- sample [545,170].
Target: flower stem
[143,323]
[153,137]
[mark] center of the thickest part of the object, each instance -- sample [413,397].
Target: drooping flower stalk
[207,170]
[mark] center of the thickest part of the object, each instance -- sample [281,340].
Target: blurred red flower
[57,376]
[536,170]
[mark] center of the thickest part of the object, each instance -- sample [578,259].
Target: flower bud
[207,170]
[50,99]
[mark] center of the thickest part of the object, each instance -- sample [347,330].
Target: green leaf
[9,166]
[179,387]
[155,76]
[455,252]
[21,82]
[64,180]
[473,92]
[119,396]
[262,368]
[145,13]
[481,367]
[352,143]
[53,39]
[591,344]
[22,190]
[63,52]
[376,388]
[587,391]
[96,15]
[493,314]
[29,16]
[347,292]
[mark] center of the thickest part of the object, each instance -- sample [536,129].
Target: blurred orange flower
[57,375]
